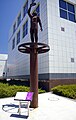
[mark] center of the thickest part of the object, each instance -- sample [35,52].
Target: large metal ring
[28,47]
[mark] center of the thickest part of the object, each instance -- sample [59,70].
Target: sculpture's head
[34,13]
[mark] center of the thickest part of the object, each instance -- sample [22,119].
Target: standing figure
[34,24]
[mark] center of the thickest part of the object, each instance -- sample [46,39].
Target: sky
[8,12]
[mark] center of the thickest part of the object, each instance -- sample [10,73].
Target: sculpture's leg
[32,35]
[36,36]
[34,75]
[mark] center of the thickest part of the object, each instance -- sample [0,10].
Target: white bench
[23,97]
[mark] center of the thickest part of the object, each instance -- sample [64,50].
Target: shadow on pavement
[8,107]
[19,116]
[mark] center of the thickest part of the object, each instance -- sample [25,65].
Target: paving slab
[50,107]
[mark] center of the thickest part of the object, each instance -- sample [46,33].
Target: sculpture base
[34,49]
[34,75]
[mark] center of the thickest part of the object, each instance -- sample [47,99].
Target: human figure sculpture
[35,19]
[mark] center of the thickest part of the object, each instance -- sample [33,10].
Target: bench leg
[28,108]
[19,109]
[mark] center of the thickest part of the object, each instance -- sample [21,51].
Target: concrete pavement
[51,107]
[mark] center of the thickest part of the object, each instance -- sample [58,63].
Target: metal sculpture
[34,48]
[35,19]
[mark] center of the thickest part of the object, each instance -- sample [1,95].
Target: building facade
[58,19]
[3,66]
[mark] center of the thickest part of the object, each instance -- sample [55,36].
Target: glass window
[67,10]
[25,9]
[13,43]
[71,7]
[18,37]
[33,1]
[62,4]
[19,20]
[25,29]
[71,17]
[38,10]
[14,27]
[63,14]
[72,59]
[62,29]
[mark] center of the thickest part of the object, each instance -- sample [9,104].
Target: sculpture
[34,48]
[35,19]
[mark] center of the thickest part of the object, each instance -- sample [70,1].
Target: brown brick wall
[47,85]
[54,83]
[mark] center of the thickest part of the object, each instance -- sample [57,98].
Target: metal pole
[34,75]
[34,49]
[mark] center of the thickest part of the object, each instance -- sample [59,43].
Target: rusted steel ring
[28,47]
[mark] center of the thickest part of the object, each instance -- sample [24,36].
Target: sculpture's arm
[40,24]
[29,11]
